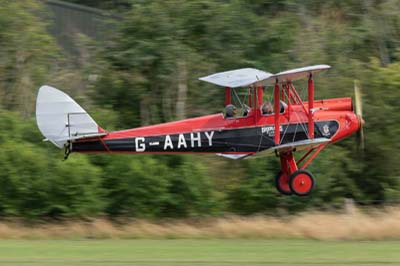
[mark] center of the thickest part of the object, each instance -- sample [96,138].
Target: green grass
[198,252]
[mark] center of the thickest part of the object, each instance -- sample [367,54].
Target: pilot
[230,111]
[267,108]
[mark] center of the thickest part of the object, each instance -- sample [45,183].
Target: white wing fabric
[237,78]
[250,76]
[293,74]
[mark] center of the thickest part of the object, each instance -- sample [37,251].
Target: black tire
[278,185]
[301,183]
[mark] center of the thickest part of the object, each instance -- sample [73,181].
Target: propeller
[358,106]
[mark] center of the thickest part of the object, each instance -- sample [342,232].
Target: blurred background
[131,63]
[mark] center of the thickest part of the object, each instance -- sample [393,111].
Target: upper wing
[237,78]
[293,74]
[250,76]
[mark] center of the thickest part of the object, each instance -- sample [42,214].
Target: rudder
[61,119]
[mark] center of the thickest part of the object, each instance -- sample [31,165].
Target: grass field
[198,252]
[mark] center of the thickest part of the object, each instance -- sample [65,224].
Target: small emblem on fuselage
[325,130]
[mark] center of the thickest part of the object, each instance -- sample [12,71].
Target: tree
[27,54]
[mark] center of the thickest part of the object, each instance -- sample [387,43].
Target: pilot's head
[230,110]
[267,108]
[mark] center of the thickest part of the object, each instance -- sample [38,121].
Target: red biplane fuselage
[308,126]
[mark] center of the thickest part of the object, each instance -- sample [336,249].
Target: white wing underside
[233,156]
[298,145]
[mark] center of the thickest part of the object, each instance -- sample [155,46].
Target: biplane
[291,125]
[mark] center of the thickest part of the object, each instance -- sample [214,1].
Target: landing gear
[282,183]
[301,183]
[292,180]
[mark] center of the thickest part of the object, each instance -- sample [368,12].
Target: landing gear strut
[291,180]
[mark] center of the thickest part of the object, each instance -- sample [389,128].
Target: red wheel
[282,183]
[301,182]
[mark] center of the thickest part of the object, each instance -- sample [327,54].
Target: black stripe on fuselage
[251,139]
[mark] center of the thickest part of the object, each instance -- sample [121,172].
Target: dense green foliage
[147,73]
[26,56]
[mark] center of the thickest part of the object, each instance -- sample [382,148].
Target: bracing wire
[237,97]
[305,128]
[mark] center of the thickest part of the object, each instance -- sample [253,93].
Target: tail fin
[61,119]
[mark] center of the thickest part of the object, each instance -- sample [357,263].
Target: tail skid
[61,119]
